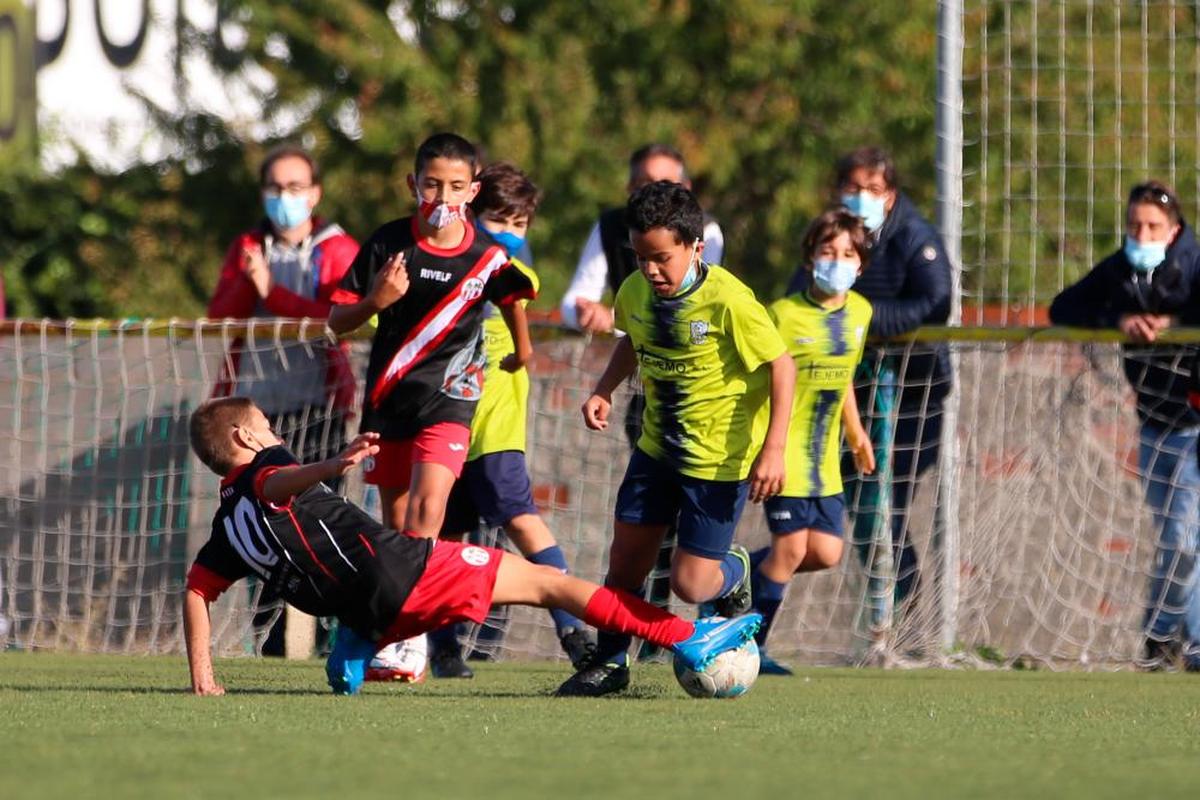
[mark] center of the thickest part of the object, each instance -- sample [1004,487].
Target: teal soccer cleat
[714,636]
[347,664]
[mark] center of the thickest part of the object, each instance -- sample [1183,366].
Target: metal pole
[949,129]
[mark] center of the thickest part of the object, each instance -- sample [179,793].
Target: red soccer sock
[620,612]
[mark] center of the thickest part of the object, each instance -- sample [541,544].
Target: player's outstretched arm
[518,325]
[389,285]
[767,473]
[197,631]
[286,482]
[856,436]
[621,365]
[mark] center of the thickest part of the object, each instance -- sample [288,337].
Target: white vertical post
[949,129]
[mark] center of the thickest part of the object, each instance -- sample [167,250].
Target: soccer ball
[403,661]
[730,674]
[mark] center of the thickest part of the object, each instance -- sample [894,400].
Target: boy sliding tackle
[825,328]
[709,359]
[327,557]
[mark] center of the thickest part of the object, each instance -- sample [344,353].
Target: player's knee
[825,553]
[426,512]
[790,549]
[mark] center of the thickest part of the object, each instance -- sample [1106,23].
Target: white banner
[99,58]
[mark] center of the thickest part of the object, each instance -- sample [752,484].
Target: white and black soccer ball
[730,674]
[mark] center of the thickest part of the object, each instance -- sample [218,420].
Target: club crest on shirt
[929,252]
[471,289]
[699,331]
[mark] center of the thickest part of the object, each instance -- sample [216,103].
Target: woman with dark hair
[1147,286]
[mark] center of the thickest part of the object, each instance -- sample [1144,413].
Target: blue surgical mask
[870,208]
[1144,256]
[693,273]
[511,242]
[286,210]
[834,277]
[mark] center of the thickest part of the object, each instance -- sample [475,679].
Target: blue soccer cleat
[347,664]
[713,636]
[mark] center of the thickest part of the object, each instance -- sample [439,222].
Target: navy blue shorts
[791,514]
[494,488]
[654,493]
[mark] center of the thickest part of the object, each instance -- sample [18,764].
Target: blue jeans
[1171,475]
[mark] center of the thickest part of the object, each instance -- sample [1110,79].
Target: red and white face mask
[439,215]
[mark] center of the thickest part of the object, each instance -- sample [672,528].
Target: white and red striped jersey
[427,356]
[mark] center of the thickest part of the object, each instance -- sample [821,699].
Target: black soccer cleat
[578,646]
[1158,655]
[595,681]
[449,664]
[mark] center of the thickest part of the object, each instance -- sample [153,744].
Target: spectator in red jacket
[289,266]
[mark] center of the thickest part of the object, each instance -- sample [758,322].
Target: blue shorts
[653,493]
[791,514]
[494,488]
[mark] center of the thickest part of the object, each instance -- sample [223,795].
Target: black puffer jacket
[1160,376]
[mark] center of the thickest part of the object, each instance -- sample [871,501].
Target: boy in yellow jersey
[709,359]
[495,485]
[824,328]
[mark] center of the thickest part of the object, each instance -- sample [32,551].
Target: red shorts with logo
[457,585]
[442,443]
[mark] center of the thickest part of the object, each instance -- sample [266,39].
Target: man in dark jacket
[900,389]
[1150,284]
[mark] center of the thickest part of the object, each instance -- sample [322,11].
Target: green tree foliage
[760,97]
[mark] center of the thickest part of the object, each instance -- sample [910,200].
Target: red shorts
[442,443]
[457,585]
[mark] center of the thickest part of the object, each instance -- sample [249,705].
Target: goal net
[1067,104]
[102,505]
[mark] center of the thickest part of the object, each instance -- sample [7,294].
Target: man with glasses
[289,266]
[900,390]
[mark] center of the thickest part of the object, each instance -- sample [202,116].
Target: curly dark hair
[664,204]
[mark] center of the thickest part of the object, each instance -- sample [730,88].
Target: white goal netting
[102,504]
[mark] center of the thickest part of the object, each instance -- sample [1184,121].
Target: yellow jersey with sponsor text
[826,344]
[700,355]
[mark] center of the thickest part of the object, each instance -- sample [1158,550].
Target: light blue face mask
[870,208]
[1144,256]
[834,277]
[511,242]
[693,272]
[286,211]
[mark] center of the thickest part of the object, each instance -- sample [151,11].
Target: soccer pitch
[107,726]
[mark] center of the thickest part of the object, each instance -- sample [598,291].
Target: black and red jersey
[321,553]
[427,356]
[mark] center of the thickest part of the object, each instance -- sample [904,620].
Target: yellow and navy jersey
[700,354]
[827,344]
[499,422]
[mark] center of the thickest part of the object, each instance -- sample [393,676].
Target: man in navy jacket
[900,389]
[1150,284]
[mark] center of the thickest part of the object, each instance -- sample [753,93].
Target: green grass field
[96,726]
